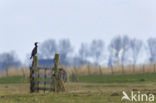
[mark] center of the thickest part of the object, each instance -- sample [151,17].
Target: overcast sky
[22,22]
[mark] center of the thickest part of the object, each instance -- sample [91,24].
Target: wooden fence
[46,78]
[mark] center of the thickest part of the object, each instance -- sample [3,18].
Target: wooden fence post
[58,75]
[56,63]
[55,77]
[61,85]
[32,72]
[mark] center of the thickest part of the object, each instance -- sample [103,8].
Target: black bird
[34,51]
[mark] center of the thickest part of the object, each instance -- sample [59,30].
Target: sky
[22,22]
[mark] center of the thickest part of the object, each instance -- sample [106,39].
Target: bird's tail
[30,57]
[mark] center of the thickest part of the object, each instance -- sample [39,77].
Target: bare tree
[47,49]
[118,48]
[125,48]
[97,50]
[135,46]
[152,49]
[8,60]
[65,49]
[84,51]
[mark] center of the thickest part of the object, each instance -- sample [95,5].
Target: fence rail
[42,76]
[43,82]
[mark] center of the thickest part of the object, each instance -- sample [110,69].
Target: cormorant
[34,51]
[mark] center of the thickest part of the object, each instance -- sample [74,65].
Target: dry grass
[89,70]
[15,72]
[130,69]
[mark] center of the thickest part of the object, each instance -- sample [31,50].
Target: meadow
[93,86]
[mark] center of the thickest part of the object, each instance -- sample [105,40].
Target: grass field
[89,89]
[126,78]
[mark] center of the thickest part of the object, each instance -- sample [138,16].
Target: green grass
[127,78]
[54,98]
[13,79]
[76,93]
[89,89]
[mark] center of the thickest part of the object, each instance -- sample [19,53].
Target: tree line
[121,50]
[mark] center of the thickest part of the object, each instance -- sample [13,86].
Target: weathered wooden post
[32,74]
[58,75]
[55,76]
[56,63]
[61,81]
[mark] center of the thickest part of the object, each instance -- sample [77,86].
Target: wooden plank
[47,76]
[42,76]
[43,82]
[45,68]
[43,88]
